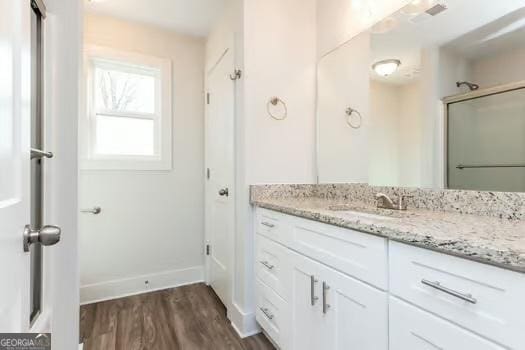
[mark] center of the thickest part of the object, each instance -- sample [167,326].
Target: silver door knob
[94,210]
[38,153]
[47,235]
[224,192]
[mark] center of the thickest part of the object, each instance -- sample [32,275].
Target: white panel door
[308,324]
[220,177]
[356,313]
[15,98]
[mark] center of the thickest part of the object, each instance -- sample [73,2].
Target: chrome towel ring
[274,102]
[353,118]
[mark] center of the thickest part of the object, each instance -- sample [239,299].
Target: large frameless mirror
[431,96]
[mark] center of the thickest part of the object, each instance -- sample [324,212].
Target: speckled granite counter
[496,237]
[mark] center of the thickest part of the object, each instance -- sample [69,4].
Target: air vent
[428,14]
[436,10]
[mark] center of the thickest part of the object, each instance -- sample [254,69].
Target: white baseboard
[244,323]
[93,293]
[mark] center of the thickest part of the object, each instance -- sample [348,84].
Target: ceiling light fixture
[386,67]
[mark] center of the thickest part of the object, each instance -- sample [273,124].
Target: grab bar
[474,166]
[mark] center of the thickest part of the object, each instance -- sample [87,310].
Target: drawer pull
[267,265]
[267,224]
[326,306]
[437,285]
[266,313]
[313,298]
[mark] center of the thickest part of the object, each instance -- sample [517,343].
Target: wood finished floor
[189,317]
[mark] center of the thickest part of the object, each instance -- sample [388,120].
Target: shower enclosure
[485,139]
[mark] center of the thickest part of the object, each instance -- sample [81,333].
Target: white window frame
[162,118]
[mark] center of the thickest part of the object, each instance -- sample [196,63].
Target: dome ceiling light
[385,68]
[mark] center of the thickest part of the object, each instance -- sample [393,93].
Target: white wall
[280,60]
[395,134]
[503,68]
[343,83]
[340,20]
[152,222]
[410,135]
[384,144]
[63,36]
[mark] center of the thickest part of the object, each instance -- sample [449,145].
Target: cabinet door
[356,314]
[335,311]
[307,321]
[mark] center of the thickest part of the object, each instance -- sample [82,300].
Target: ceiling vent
[428,14]
[436,10]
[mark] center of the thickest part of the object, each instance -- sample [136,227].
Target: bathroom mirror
[432,96]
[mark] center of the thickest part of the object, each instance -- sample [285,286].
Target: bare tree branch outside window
[118,91]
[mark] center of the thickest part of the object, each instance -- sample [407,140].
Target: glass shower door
[486,142]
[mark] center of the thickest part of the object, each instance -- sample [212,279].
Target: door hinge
[208,249]
[208,173]
[207,98]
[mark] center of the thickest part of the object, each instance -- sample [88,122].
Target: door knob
[47,235]
[94,210]
[224,192]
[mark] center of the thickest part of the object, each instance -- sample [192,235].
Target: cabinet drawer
[270,224]
[357,254]
[272,314]
[485,299]
[272,265]
[413,328]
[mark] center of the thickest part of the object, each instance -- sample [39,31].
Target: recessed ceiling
[194,17]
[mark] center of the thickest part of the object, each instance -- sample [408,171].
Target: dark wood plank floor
[189,317]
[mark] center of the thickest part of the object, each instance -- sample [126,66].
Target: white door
[220,175]
[22,234]
[356,314]
[308,325]
[15,109]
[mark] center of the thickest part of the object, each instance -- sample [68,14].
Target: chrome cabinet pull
[266,313]
[326,306]
[37,153]
[437,285]
[313,298]
[267,224]
[267,265]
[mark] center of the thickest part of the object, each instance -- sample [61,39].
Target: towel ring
[349,119]
[274,101]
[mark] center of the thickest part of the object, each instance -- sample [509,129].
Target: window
[128,124]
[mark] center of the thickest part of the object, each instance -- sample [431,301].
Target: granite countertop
[485,239]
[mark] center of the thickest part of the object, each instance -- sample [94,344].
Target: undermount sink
[369,212]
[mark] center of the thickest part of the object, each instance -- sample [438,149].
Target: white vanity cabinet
[324,308]
[323,287]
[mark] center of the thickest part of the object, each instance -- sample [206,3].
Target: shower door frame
[472,95]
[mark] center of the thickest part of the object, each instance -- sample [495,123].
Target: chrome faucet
[384,202]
